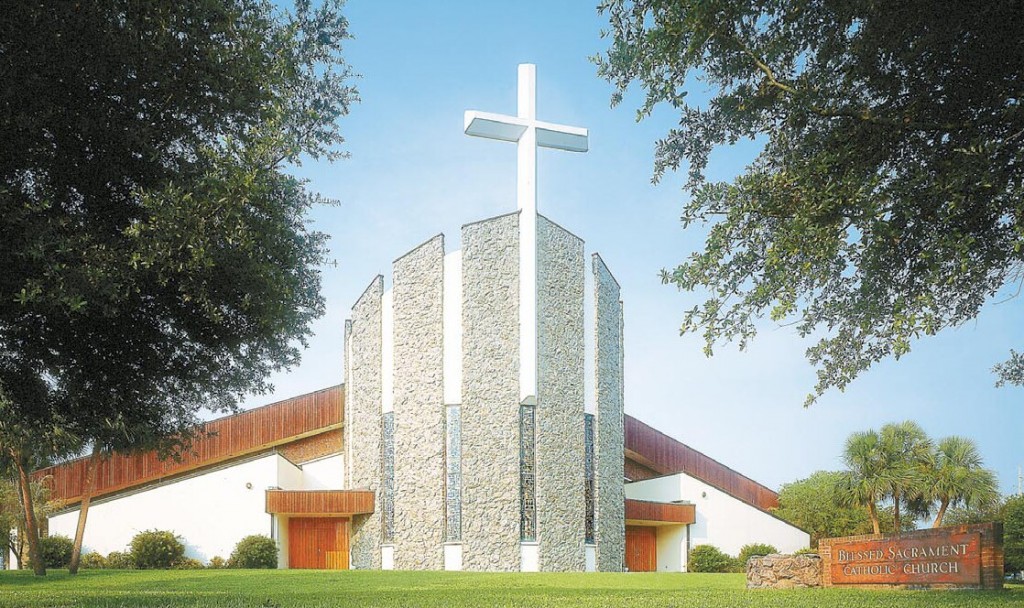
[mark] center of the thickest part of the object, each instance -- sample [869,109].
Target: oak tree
[887,201]
[155,250]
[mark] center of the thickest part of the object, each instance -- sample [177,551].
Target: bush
[156,549]
[56,551]
[256,551]
[187,563]
[708,558]
[93,561]
[806,551]
[119,560]
[753,550]
[217,562]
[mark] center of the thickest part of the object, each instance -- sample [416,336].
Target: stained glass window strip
[453,466]
[388,479]
[588,477]
[527,473]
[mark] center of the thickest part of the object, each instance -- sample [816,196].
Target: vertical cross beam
[528,133]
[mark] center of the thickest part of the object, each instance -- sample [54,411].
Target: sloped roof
[658,454]
[226,438]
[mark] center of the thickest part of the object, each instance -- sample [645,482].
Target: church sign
[958,556]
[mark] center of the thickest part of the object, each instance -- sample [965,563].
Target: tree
[973,514]
[958,478]
[155,250]
[1013,534]
[866,481]
[908,457]
[815,505]
[12,521]
[885,204]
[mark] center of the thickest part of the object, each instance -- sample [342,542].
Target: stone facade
[490,394]
[363,418]
[783,571]
[419,408]
[609,436]
[560,350]
[312,448]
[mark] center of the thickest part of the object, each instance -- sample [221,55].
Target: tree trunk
[28,510]
[897,528]
[874,518]
[942,513]
[83,509]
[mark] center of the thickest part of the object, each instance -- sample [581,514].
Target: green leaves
[886,203]
[156,253]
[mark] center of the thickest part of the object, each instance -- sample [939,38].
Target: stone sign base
[784,571]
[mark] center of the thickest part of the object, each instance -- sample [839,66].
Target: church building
[480,426]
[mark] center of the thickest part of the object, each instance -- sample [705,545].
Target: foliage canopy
[887,202]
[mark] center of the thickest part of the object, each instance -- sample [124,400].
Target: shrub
[187,563]
[156,549]
[708,558]
[119,560]
[806,551]
[256,551]
[217,562]
[752,550]
[93,561]
[56,551]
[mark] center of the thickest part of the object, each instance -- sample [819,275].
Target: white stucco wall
[211,512]
[722,520]
[324,474]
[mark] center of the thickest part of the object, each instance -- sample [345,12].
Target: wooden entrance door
[641,548]
[318,542]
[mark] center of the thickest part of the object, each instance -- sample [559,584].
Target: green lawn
[287,588]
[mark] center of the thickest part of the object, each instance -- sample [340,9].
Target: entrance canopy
[650,513]
[321,503]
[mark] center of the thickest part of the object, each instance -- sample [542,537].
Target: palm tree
[866,482]
[908,455]
[958,477]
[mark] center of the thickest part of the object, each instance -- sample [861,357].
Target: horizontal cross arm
[561,137]
[511,128]
[494,126]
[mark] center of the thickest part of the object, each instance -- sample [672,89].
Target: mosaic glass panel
[388,479]
[588,477]
[527,473]
[453,466]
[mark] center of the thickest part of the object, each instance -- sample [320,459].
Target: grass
[294,588]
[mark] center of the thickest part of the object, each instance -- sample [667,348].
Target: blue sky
[413,174]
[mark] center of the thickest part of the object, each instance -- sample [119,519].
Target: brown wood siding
[659,452]
[643,510]
[320,502]
[634,471]
[229,437]
[318,543]
[641,549]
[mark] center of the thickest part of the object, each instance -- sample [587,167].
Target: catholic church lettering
[462,437]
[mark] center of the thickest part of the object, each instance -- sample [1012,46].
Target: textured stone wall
[783,571]
[419,408]
[560,470]
[611,527]
[313,448]
[490,394]
[363,418]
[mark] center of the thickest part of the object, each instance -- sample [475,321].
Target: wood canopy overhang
[320,503]
[651,513]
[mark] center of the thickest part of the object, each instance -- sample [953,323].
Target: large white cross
[527,132]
